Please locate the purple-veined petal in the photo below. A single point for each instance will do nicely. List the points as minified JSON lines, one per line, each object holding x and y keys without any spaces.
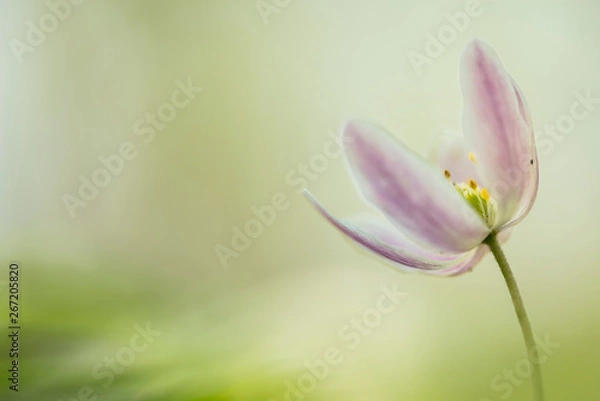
{"x":465,"y":265}
{"x":449,"y":264}
{"x":385,"y":242}
{"x":475,"y":257}
{"x":496,"y":123}
{"x":531,"y":193}
{"x":385,"y":232}
{"x":450,"y":152}
{"x":411,"y":193}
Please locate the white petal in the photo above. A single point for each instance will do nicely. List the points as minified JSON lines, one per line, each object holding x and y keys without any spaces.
{"x":411,"y":193}
{"x":384,"y":241}
{"x":496,"y":123}
{"x":451,"y":153}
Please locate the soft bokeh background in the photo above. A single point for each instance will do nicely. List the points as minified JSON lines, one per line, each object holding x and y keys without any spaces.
{"x":143,"y":251}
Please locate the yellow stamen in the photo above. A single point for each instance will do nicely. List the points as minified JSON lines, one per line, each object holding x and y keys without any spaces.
{"x":480,"y":200}
{"x":447,"y":174}
{"x":472,"y":157}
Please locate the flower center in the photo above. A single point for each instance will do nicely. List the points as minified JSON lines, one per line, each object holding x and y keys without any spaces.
{"x":479,"y":198}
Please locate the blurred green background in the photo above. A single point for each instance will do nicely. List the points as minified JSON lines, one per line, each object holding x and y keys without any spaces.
{"x":143,"y":251}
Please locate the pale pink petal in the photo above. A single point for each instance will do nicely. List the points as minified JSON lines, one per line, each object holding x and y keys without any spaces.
{"x":411,"y":193}
{"x":390,"y":235}
{"x":385,"y":242}
{"x":451,"y":153}
{"x":465,"y":265}
{"x":496,"y":123}
{"x":531,"y":193}
{"x":504,"y":235}
{"x":475,"y":257}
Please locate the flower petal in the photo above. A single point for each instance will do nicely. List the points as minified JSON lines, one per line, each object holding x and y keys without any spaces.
{"x":384,"y":241}
{"x":451,"y":153}
{"x":465,"y":265}
{"x":475,"y":257}
{"x":527,"y":201}
{"x":388,"y":234}
{"x":411,"y":193}
{"x":496,"y":123}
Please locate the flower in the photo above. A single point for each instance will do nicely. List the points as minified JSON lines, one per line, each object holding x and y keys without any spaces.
{"x":439,"y":214}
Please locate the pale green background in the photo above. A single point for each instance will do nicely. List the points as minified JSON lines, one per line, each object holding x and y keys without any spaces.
{"x":144,"y":249}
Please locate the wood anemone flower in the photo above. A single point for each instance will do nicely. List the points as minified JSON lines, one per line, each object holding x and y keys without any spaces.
{"x":443,"y":219}
{"x":440,"y":216}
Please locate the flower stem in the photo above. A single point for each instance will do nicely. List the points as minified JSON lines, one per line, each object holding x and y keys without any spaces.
{"x":536,"y":377}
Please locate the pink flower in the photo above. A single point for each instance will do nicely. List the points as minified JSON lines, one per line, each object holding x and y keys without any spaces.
{"x":439,"y":216}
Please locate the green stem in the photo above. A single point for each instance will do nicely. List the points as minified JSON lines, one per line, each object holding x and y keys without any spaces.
{"x":536,"y":377}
